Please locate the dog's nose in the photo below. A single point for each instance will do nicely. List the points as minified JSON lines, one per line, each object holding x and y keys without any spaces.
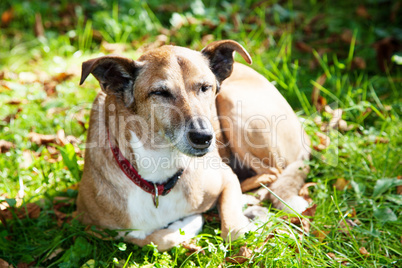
{"x":200,"y":139}
{"x":199,"y":135}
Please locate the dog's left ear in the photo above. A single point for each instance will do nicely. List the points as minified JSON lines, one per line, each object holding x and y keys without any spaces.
{"x":220,"y":56}
{"x":116,"y":75}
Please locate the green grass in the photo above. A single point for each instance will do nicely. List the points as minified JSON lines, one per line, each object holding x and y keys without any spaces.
{"x":367,"y":155}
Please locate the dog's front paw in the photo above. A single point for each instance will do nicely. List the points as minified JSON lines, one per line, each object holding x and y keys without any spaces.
{"x":187,"y":227}
{"x":298,"y":203}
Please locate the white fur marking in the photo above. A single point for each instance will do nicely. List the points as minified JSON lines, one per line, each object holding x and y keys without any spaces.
{"x":297,"y":203}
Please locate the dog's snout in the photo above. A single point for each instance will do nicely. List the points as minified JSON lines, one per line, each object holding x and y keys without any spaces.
{"x":200,"y":139}
{"x":199,"y":135}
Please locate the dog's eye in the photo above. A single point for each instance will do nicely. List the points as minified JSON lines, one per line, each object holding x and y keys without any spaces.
{"x":205,"y":88}
{"x":162,"y":93}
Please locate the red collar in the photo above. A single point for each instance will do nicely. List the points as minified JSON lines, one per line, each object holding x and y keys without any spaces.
{"x":156,"y":189}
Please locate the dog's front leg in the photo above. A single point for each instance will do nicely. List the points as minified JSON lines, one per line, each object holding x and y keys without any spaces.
{"x":176,"y":233}
{"x":233,"y":222}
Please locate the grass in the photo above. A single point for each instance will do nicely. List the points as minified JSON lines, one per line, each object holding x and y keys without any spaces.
{"x":365,"y":156}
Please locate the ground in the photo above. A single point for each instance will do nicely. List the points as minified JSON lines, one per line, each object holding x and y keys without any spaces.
{"x":337,"y":63}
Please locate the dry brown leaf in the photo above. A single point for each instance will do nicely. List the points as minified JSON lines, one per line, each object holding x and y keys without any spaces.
{"x":353,"y":213}
{"x":310,"y":212}
{"x":346,"y":36}
{"x":50,"y":87}
{"x":359,"y":63}
{"x":27,"y":159}
{"x":5,"y":146}
{"x":12,"y":116}
{"x":364,"y":251}
{"x":319,"y":102}
{"x":7,"y":16}
{"x":61,"y":77}
{"x":41,"y":139}
{"x":303,"y":47}
{"x":341,"y":183}
{"x":336,"y":117}
{"x":321,"y":235}
{"x":324,"y":142}
{"x":306,"y":225}
{"x":192,"y":247}
{"x":331,"y":255}
{"x":399,"y":188}
{"x":385,"y":48}
{"x":53,"y":254}
{"x":38,"y":27}
{"x":211,"y":217}
{"x":16,"y":102}
{"x":361,"y":11}
{"x":30,"y":210}
{"x":344,"y":228}
{"x":381,"y":140}
{"x":241,"y":257}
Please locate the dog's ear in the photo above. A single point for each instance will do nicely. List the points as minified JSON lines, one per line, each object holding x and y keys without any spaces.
{"x":220,"y":56}
{"x":116,"y":75}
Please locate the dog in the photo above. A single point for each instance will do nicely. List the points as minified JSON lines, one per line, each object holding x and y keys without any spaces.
{"x":162,"y":136}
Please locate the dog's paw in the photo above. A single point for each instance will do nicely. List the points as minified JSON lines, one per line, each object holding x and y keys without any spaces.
{"x":188,"y":227}
{"x":298,"y":203}
{"x":256,"y":213}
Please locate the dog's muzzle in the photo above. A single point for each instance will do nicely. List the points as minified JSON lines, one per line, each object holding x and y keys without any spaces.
{"x":200,"y":135}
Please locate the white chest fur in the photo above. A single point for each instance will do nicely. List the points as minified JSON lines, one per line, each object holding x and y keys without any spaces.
{"x":155,"y":166}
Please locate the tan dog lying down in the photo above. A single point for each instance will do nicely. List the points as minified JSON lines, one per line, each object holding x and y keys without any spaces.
{"x":159,"y":134}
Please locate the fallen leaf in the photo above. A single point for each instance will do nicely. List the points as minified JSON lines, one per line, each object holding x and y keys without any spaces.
{"x":38,"y":27}
{"x":381,"y":140}
{"x":364,"y":251}
{"x":53,"y":254}
{"x":241,"y":257}
{"x":352,"y":214}
{"x":12,"y":116}
{"x":319,"y":102}
{"x":359,"y":63}
{"x":5,"y":146}
{"x":310,"y":212}
{"x":16,"y":102}
{"x":61,"y":77}
{"x":306,"y":225}
{"x":341,"y":183}
{"x":192,"y":247}
{"x":324,"y":142}
{"x":321,"y":235}
{"x":361,"y":11}
{"x":345,"y":227}
{"x":7,"y":16}
{"x":331,"y":255}
{"x":27,"y":159}
{"x":211,"y":217}
{"x":399,"y":188}
{"x":41,"y":139}
{"x":385,"y":48}
{"x":30,"y":210}
{"x":336,"y":117}
{"x":50,"y":87}
{"x":303,"y":47}
{"x":346,"y":36}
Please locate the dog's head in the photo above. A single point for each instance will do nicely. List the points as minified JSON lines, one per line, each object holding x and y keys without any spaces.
{"x":172,"y":88}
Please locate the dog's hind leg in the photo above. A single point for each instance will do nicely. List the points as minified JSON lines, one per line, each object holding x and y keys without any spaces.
{"x":287,"y":187}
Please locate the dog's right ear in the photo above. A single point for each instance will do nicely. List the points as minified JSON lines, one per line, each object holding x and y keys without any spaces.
{"x":116,"y":75}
